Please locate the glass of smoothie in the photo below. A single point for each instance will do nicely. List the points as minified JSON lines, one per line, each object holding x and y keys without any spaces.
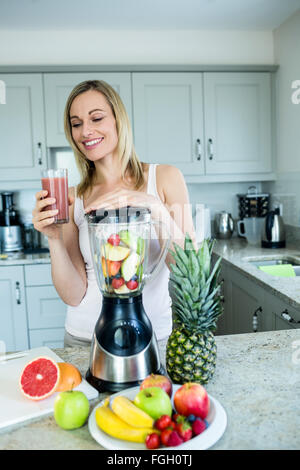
{"x":56,"y":183}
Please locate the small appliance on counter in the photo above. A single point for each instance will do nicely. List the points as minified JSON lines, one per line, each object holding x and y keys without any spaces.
{"x":124,"y":348}
{"x":32,"y":239}
{"x":253,"y":204}
{"x":274,"y":230}
{"x":223,"y":225}
{"x":202,"y":222}
{"x":10,"y":225}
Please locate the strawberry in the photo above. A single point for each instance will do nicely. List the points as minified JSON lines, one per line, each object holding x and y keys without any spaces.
{"x":174,"y":439}
{"x":114,"y":239}
{"x":117,"y":282}
{"x":163,"y":422}
{"x":184,"y":430}
{"x":132,"y":284}
{"x":175,"y":416}
{"x":152,"y":441}
{"x":164,"y":436}
{"x":198,"y":426}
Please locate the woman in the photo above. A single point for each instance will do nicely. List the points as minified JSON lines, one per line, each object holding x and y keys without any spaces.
{"x":99,"y":132}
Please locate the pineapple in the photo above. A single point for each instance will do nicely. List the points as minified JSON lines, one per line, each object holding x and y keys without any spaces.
{"x":196,"y":305}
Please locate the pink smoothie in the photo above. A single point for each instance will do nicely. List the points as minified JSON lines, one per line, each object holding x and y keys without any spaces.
{"x":58,"y":188}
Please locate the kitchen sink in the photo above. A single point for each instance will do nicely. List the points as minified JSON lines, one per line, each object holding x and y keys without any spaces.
{"x":275,"y":261}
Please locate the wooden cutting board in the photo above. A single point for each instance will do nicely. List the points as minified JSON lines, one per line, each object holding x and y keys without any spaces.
{"x":14,"y":407}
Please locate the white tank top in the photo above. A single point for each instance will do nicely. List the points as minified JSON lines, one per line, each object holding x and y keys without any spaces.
{"x":81,"y":320}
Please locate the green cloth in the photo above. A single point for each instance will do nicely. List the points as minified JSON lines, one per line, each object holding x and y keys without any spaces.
{"x":282,"y":270}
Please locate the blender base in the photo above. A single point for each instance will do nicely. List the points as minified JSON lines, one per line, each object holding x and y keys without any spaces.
{"x":105,"y":386}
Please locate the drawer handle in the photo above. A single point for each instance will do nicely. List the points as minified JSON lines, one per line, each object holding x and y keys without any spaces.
{"x":286,"y":316}
{"x":255,"y":319}
{"x":39,"y":152}
{"x":18,"y":293}
{"x":199,"y":149}
{"x":210,"y":149}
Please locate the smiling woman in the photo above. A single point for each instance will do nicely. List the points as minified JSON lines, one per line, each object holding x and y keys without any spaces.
{"x":99,"y":131}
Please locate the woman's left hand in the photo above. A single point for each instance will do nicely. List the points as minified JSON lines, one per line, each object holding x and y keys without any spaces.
{"x":123,"y":197}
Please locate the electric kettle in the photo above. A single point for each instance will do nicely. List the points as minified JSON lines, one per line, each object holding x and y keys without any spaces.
{"x":273,"y":235}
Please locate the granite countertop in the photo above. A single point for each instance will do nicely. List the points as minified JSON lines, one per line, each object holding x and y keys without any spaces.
{"x":17,"y":258}
{"x":257,"y":380}
{"x":238,"y":253}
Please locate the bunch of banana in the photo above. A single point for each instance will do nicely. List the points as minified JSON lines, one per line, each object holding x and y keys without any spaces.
{"x":124,"y":421}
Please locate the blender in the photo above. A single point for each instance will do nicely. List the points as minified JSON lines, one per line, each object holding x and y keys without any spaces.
{"x":124,"y":348}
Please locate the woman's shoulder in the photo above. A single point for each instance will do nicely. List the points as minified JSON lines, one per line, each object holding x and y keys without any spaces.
{"x":168,"y":176}
{"x":163,"y":170}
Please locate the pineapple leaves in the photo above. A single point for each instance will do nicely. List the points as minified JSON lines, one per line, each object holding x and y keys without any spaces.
{"x":196,"y":303}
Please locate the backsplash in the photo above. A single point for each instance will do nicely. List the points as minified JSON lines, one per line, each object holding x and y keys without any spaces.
{"x":215,"y":196}
{"x":286,"y":191}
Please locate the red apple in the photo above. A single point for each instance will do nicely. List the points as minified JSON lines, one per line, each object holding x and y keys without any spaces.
{"x":192,"y":399}
{"x":156,"y":380}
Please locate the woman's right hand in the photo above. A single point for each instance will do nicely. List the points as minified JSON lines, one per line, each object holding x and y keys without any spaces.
{"x":43,"y":220}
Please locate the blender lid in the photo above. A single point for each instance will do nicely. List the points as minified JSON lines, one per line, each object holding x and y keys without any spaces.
{"x":120,"y":215}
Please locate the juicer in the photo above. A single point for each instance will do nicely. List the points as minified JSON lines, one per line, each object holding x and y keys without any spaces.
{"x":10,"y":225}
{"x":124,"y":348}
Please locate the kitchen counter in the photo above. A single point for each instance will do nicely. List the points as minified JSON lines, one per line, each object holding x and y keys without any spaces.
{"x":12,"y":259}
{"x":257,"y":380}
{"x":235,"y":250}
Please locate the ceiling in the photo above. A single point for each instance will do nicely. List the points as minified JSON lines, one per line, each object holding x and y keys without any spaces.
{"x":145,"y":14}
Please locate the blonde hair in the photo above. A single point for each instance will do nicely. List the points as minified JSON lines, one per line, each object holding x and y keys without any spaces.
{"x":130,"y":163}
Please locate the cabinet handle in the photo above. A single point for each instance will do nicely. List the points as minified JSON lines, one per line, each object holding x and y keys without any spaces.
{"x":39,"y":153}
{"x":210,"y":149}
{"x":18,"y":293}
{"x":286,"y":316}
{"x":222,"y":297}
{"x":255,"y":319}
{"x":199,"y":149}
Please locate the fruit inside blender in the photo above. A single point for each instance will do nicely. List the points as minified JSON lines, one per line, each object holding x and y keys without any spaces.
{"x":122,"y":257}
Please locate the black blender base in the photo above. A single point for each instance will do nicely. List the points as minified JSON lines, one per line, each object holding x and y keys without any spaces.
{"x":106,"y":386}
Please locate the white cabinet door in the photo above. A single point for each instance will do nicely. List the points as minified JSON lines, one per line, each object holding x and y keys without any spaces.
{"x":58,"y":86}
{"x":13,"y":321}
{"x":237,"y":122}
{"x":168,"y":119}
{"x":46,"y":312}
{"x":22,"y":133}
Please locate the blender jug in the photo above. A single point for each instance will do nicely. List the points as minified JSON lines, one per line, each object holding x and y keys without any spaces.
{"x":124,"y":347}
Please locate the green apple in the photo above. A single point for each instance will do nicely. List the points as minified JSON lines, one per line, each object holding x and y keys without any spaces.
{"x":140,"y":247}
{"x":128,"y":238}
{"x":154,"y":401}
{"x":130,"y":265}
{"x":71,"y":409}
{"x":114,"y":253}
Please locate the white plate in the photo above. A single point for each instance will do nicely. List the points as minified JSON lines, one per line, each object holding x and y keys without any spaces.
{"x":216,"y":418}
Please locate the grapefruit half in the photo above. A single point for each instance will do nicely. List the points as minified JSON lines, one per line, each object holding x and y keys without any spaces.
{"x":39,"y":378}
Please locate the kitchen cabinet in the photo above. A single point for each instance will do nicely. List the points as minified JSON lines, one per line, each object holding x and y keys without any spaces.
{"x":204,"y":123}
{"x":31,"y":312}
{"x":13,"y":314}
{"x":58,"y":86}
{"x":248,"y":307}
{"x":23,"y":151}
{"x":237,"y":118}
{"x":246,"y":303}
{"x":168,"y":119}
{"x":280,"y":315}
{"x":46,"y":311}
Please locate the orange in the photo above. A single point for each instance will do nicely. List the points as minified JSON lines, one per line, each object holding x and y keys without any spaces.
{"x":70,"y":377}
